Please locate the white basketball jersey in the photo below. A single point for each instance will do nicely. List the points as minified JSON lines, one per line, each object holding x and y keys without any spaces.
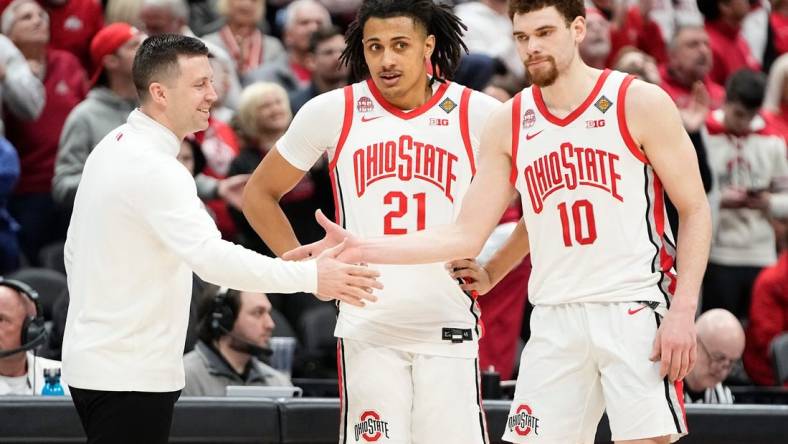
{"x":397,"y":172}
{"x":593,"y":206}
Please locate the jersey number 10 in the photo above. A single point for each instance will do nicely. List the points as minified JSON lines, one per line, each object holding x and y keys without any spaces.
{"x":400,"y":201}
{"x":579,"y":209}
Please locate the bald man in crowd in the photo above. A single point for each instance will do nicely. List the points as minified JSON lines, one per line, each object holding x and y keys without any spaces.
{"x":720,"y":345}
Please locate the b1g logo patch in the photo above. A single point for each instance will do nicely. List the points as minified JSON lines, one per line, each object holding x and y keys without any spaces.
{"x":364,"y":104}
{"x":370,"y":427}
{"x":523,"y":421}
{"x":438,"y":122}
{"x":529,"y":118}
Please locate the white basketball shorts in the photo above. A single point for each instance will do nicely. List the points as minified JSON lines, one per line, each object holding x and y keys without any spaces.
{"x":395,"y":397}
{"x":583,"y":359}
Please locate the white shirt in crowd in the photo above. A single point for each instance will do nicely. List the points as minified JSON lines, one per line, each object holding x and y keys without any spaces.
{"x":31,"y":383}
{"x":137,"y":232}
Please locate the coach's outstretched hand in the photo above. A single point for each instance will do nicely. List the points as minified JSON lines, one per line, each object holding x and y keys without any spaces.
{"x":334,"y":235}
{"x":348,"y":283}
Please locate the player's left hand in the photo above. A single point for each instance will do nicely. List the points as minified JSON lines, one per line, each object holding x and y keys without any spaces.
{"x":675,"y":345}
{"x":474,"y":276}
{"x":334,"y":236}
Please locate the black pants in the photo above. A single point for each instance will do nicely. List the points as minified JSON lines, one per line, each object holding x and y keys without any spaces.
{"x":729,"y":287}
{"x":125,"y":417}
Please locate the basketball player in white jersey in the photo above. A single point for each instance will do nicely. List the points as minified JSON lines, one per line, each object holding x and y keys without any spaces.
{"x":401,"y":150}
{"x":590,"y":152}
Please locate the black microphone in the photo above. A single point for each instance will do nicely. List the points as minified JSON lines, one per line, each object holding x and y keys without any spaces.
{"x":13,"y":351}
{"x":249,"y":347}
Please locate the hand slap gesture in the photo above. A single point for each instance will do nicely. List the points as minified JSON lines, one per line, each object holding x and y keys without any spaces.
{"x":348,"y":283}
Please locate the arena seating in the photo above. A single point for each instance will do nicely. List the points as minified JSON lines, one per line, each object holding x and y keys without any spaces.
{"x":315,"y":421}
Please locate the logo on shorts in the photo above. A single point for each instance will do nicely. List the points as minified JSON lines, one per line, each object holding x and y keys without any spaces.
{"x":529,"y":118}
{"x":364,"y":104}
{"x":371,"y":427}
{"x":523,"y":421}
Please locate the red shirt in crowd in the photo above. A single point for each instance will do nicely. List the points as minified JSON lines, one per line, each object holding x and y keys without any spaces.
{"x":779,"y":24}
{"x":768,"y":318}
{"x":729,"y":51}
{"x":639,"y":32}
{"x":778,"y":121}
{"x":72,"y":25}
{"x":220,"y":146}
{"x":36,"y":141}
{"x":681,"y":94}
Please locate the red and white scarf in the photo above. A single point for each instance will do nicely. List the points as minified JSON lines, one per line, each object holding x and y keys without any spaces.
{"x":247,"y":53}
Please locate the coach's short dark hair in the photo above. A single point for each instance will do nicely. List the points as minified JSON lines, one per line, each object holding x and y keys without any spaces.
{"x":746,"y":88}
{"x":158,"y":56}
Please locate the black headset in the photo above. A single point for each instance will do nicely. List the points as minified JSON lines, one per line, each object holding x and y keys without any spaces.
{"x":34,"y":332}
{"x":223,"y":321}
{"x":222,"y":314}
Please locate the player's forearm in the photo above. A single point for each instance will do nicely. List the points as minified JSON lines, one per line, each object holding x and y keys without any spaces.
{"x":509,"y":255}
{"x":269,"y":221}
{"x":694,"y":240}
{"x":437,"y":244}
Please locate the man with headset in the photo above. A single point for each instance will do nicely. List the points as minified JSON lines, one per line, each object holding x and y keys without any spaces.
{"x":21,"y":330}
{"x":234,"y":328}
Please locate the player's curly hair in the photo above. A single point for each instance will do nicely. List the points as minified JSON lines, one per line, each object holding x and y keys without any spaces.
{"x":437,"y":20}
{"x":570,"y":9}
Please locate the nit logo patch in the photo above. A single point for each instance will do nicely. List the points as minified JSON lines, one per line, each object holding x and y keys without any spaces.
{"x":370,"y":427}
{"x":603,"y":104}
{"x":448,"y":105}
{"x":364,"y":104}
{"x":529,"y":118}
{"x":523,"y":421}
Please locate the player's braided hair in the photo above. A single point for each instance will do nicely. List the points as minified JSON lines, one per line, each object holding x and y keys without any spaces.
{"x":437,"y":19}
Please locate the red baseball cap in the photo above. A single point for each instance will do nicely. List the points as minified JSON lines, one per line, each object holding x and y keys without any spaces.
{"x":106,"y":42}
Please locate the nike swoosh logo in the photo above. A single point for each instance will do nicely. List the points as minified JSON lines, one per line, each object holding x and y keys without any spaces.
{"x":368,"y":119}
{"x":531,"y":136}
{"x":631,"y":311}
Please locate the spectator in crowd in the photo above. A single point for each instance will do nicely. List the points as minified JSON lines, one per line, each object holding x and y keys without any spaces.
{"x":226,"y":84}
{"x":65,"y":83}
{"x":768,"y":313}
{"x":750,"y":180}
{"x":686,"y":75}
{"x":631,"y":25}
{"x":302,"y":18}
{"x":9,"y":174}
{"x":107,"y":105}
{"x":191,"y":155}
{"x":72,"y":24}
{"x":165,"y":17}
{"x":21,"y":330}
{"x":248,"y":47}
{"x":20,"y":90}
{"x":325,"y":47}
{"x":775,"y":101}
{"x":638,"y":63}
{"x":263,"y":117}
{"x":729,"y":50}
{"x":123,"y":11}
{"x":595,"y":47}
{"x":720,"y":339}
{"x":490,"y":32}
{"x":234,"y":330}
